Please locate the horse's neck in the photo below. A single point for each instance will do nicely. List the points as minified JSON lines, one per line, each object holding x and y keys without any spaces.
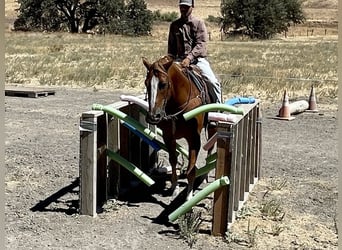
{"x":184,"y":95}
{"x":181,"y":84}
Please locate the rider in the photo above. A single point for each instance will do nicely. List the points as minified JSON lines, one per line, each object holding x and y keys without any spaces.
{"x":187,"y":43}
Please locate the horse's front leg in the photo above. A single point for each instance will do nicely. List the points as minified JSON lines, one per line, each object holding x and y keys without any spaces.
{"x":194,"y":147}
{"x":171,"y":146}
{"x":174,"y":176}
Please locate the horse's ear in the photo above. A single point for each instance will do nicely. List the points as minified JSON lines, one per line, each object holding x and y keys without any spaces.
{"x":146,"y":63}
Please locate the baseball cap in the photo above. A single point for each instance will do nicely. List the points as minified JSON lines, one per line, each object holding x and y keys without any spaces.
{"x":186,"y":2}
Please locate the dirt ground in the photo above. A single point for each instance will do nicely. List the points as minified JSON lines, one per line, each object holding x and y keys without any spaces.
{"x":299,"y":172}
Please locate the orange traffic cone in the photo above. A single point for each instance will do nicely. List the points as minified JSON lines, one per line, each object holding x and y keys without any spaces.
{"x":284,"y":111}
{"x":312,"y":101}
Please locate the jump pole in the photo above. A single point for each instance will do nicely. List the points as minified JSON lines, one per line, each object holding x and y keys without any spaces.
{"x":121,"y":115}
{"x":212,"y":107}
{"x":144,"y":105}
{"x":130,"y":167}
{"x":136,"y":125}
{"x":240,"y":100}
{"x":210,"y":165}
{"x":198,"y":197}
{"x":298,"y":106}
{"x":206,"y":169}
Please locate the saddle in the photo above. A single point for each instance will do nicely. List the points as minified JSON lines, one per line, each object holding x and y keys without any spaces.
{"x":202,"y":83}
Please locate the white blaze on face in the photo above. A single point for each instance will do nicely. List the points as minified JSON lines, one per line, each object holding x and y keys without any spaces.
{"x":154,"y":90}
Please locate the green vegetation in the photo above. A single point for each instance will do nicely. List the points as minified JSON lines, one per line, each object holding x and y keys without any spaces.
{"x":189,"y":224}
{"x":117,"y":17}
{"x":260,"y":18}
{"x":164,"y":17}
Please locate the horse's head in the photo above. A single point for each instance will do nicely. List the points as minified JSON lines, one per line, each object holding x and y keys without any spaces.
{"x":158,"y":88}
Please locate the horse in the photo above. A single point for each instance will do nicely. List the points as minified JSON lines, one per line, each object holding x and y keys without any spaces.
{"x":171,"y":93}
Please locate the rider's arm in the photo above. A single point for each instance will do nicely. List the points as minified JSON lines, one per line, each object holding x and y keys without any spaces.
{"x":201,"y":36}
{"x":172,"y":42}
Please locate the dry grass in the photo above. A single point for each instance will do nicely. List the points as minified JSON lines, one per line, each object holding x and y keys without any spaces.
{"x":263,"y":68}
{"x":276,"y":225}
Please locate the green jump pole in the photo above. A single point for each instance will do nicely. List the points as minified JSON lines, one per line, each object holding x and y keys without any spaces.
{"x":198,"y":197}
{"x":121,"y":115}
{"x":124,"y":117}
{"x":145,"y":131}
{"x":211,"y":157}
{"x":206,"y":169}
{"x":210,"y":164}
{"x":130,"y":167}
{"x":212,"y":107}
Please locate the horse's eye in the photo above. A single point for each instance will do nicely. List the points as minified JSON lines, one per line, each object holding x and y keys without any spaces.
{"x":161,"y":85}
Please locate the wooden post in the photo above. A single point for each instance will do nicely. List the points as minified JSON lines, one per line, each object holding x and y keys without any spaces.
{"x":238,"y":157}
{"x":125,"y":176}
{"x":239,"y":143}
{"x":253,"y":145}
{"x":233,"y":203}
{"x":88,"y":162}
{"x":258,"y":143}
{"x":113,"y":144}
{"x":220,"y":208}
{"x":248,"y":151}
{"x":243,"y":160}
{"x":101,"y":161}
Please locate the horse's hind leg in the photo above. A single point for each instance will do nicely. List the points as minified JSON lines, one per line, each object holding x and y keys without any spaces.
{"x":191,"y":175}
{"x":211,"y":129}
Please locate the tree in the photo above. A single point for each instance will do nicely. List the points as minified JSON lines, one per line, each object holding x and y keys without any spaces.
{"x":35,"y":15}
{"x":138,"y":19}
{"x":75,"y":16}
{"x":260,"y":18}
{"x":111,"y":15}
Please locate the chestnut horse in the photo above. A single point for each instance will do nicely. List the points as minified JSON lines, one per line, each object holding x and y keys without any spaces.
{"x":171,"y":93}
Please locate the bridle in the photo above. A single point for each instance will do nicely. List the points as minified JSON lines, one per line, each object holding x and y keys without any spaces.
{"x":183,"y":107}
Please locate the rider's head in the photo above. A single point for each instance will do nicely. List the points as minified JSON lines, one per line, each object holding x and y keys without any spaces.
{"x":185,"y":7}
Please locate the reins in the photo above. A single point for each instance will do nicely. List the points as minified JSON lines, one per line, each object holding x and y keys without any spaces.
{"x":185,"y":105}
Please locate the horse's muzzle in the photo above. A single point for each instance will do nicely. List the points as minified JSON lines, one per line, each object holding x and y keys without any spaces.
{"x":153,"y":118}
